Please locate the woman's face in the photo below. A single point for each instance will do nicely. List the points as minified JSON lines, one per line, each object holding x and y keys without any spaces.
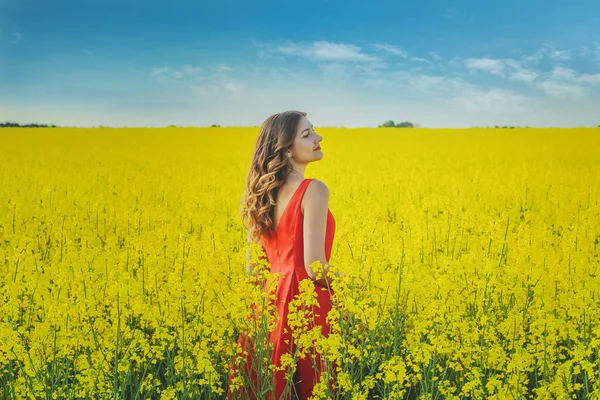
{"x":305,"y":142}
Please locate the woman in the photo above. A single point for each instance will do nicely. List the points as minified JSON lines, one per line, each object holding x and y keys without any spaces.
{"x":288,"y":215}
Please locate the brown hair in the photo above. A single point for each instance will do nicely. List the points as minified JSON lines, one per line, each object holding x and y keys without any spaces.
{"x":268,"y":171}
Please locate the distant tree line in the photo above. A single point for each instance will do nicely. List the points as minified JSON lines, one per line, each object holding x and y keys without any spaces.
{"x":518,"y":127}
{"x":406,"y":124}
{"x":181,"y":126}
{"x":391,"y":124}
{"x":387,"y":124}
{"x":17,"y":125}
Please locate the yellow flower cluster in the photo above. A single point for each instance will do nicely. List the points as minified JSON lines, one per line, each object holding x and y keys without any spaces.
{"x":469,"y":258}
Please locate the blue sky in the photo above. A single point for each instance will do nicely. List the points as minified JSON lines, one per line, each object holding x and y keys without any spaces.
{"x":346,"y":63}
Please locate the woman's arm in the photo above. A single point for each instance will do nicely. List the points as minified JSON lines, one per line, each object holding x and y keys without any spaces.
{"x":316,"y":206}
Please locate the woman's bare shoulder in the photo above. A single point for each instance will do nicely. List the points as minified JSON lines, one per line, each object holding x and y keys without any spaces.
{"x":317,"y":192}
{"x":317,"y":188}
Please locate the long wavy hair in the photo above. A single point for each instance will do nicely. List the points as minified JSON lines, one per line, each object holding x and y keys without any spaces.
{"x":268,"y":171}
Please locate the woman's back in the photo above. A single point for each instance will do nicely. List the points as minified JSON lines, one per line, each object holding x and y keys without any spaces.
{"x":284,"y":248}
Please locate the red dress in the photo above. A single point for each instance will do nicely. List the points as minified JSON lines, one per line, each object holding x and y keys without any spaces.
{"x":285,"y":253}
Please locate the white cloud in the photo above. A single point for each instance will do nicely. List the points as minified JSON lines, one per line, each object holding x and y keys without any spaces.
{"x":596,"y":53}
{"x":493,"y":101}
{"x":267,"y":51}
{"x":190,"y":70}
{"x":560,"y":54}
{"x":335,"y":53}
{"x":267,"y":54}
{"x":456,"y":62}
{"x":155,"y":72}
{"x":344,"y":70}
{"x":164,"y":74}
{"x":233,"y":87}
{"x":200,"y":81}
{"x":395,"y":50}
{"x":458,"y":93}
{"x":435,"y":55}
{"x":373,"y":68}
{"x":419,"y":59}
{"x":548,"y":51}
{"x":274,"y":72}
{"x":420,"y":83}
{"x":524,"y":76}
{"x":537,"y":56}
{"x":222,"y":81}
{"x":495,"y":67}
{"x":326,"y":51}
{"x":222,"y":68}
{"x":201,"y":90}
{"x":562,"y":89}
{"x":518,"y":72}
{"x":336,"y":70}
{"x":506,"y":68}
{"x":567,"y":74}
{"x":562,"y":73}
{"x":592,"y":79}
{"x":214,"y":88}
{"x":436,"y":84}
{"x":561,"y":82}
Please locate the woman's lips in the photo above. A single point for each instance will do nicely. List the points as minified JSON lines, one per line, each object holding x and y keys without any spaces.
{"x":318,"y":148}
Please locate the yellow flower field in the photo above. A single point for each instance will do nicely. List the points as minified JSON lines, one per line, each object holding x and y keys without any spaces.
{"x":472,"y":262}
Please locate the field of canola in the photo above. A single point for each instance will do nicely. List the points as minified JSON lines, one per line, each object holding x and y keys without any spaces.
{"x":472,"y":262}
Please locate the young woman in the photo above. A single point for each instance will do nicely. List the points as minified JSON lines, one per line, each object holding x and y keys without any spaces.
{"x":288,"y":215}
